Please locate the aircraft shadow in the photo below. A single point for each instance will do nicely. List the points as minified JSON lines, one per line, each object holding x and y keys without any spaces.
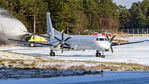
{"x":58,"y":55}
{"x":76,"y":55}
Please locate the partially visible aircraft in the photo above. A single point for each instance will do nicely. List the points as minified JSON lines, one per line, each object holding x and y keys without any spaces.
{"x":60,"y":41}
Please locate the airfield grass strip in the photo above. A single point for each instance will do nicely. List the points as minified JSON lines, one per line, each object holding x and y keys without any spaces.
{"x":44,"y":63}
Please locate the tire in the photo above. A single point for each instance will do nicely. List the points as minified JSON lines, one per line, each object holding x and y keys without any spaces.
{"x":52,"y":53}
{"x":103,"y":56}
{"x":32,"y":45}
{"x":98,"y":54}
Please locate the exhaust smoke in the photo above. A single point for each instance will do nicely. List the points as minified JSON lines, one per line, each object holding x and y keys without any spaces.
{"x":10,"y":27}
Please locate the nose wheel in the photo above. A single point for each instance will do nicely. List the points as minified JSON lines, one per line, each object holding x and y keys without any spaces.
{"x":52,"y":53}
{"x":98,"y":54}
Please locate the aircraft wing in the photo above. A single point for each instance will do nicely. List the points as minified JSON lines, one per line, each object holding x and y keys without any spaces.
{"x":114,"y":44}
{"x":22,"y":41}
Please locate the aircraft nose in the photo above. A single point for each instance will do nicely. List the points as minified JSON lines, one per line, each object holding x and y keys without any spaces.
{"x":106,"y":45}
{"x":103,"y":44}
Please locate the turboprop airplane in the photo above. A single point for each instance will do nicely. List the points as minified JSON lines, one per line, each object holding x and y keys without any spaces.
{"x":60,"y":41}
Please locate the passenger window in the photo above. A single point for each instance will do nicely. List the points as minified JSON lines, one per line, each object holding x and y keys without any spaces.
{"x":96,"y":39}
{"x":101,"y":39}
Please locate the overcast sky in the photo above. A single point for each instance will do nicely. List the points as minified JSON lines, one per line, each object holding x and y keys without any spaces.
{"x":126,"y":3}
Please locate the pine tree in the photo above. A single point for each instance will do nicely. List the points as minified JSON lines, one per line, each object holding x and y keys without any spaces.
{"x":124,"y":17}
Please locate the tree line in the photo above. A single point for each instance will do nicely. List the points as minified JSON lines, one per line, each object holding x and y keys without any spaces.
{"x":78,"y":15}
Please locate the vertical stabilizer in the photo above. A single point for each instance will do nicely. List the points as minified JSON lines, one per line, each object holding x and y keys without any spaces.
{"x":50,"y":29}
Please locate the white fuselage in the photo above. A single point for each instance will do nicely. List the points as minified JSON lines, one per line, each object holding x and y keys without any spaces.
{"x":86,"y":42}
{"x":78,"y":42}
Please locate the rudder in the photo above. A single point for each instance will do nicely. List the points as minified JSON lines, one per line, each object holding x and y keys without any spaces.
{"x":50,"y":29}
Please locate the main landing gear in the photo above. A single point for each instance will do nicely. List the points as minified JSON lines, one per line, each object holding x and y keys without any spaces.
{"x":98,"y":54}
{"x":52,"y":53}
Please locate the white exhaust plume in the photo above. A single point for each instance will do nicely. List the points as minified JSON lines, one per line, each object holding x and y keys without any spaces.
{"x":10,"y":28}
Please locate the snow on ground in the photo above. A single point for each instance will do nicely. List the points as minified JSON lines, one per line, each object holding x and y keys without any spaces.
{"x":131,"y":53}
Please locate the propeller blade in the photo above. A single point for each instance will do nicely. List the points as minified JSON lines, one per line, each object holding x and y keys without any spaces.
{"x":62,"y":42}
{"x":57,"y":38}
{"x":68,"y":45}
{"x":62,"y":36}
{"x":67,"y":38}
{"x":62,"y":31}
{"x":112,"y":38}
{"x":111,"y":49}
{"x":107,"y":36}
{"x":53,"y":42}
{"x":62,"y":47}
{"x":57,"y":45}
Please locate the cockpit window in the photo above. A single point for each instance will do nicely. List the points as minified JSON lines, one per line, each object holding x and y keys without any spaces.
{"x":101,"y":39}
{"x":106,"y":39}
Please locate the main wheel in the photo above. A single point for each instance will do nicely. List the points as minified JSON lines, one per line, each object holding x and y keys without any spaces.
{"x":98,"y":54}
{"x":52,"y":53}
{"x":103,"y":56}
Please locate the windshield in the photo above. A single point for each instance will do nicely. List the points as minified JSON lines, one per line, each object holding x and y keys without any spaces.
{"x":101,"y":39}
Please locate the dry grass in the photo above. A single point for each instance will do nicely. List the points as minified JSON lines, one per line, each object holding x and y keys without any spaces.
{"x":51,"y":63}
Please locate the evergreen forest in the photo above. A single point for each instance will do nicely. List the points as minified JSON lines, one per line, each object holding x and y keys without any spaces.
{"x":78,"y":15}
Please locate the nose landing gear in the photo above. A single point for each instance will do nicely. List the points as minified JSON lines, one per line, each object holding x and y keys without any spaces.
{"x":98,"y":54}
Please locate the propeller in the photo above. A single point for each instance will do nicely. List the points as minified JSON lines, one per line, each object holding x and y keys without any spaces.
{"x":62,"y":42}
{"x":110,"y":40}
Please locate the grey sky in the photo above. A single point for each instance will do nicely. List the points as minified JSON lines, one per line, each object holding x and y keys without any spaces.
{"x":126,"y":3}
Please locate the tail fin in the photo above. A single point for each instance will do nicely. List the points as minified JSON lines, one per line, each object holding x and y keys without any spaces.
{"x":50,"y":29}
{"x":51,"y":32}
